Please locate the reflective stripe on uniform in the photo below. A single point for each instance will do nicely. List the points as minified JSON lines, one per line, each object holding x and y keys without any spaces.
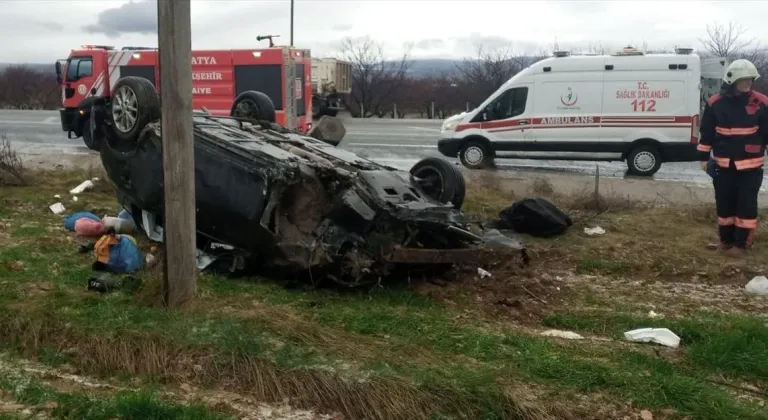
{"x":726,"y":221}
{"x":737,"y":131}
{"x":704,"y":148}
{"x":746,"y":223}
{"x":723,"y":162}
{"x":749,"y":163}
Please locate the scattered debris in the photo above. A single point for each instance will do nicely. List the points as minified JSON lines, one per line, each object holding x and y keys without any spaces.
{"x":74,"y":198}
{"x":57,"y":196}
{"x":89,"y":228}
{"x":83,"y":187}
{"x":117,"y":254}
{"x":653,"y":315}
{"x":536,"y":217}
{"x":568,"y":335}
{"x":482,"y":273}
{"x":661,"y":336}
{"x":595,"y":231}
{"x":69,"y":221}
{"x":57,"y":208}
{"x":109,"y":282}
{"x":757,"y":286}
{"x":645,"y":414}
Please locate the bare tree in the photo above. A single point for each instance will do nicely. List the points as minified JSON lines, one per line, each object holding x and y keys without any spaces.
{"x":726,"y":41}
{"x":490,"y":69}
{"x":375,"y":80}
{"x":22,"y":87}
{"x":597,"y":48}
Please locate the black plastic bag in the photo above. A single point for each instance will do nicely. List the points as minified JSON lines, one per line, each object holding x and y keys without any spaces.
{"x":535,"y":217}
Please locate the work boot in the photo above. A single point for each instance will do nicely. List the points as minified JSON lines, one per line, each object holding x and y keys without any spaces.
{"x":719,"y":247}
{"x":734,"y":252}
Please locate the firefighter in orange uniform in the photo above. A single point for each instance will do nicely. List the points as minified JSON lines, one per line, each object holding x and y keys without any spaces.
{"x":734,"y":128}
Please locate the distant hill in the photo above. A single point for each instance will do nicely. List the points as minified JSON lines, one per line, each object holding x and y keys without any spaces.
{"x":432,"y":67}
{"x":47,"y":68}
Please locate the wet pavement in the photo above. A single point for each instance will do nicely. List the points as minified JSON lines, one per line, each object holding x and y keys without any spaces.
{"x":398,"y":143}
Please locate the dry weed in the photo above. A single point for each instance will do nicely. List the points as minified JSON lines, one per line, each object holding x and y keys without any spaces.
{"x":132,"y":354}
{"x":11,"y":166}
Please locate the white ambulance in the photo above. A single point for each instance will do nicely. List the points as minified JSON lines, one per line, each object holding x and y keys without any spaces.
{"x":641,"y":108}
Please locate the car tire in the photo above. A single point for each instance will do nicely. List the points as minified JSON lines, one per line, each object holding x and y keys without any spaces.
{"x":443,"y":181}
{"x":643,"y":161}
{"x":134,"y":104}
{"x":475,"y":155}
{"x":253,"y":105}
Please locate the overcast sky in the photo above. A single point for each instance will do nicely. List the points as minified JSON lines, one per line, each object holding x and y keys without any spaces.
{"x":44,"y":30}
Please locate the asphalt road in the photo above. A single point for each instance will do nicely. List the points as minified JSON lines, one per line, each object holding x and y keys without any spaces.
{"x":398,"y":143}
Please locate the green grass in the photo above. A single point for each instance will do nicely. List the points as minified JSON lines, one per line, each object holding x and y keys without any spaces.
{"x":389,"y":334}
{"x":81,"y":405}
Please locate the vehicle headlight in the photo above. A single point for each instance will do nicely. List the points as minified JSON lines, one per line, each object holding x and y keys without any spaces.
{"x":448,"y":125}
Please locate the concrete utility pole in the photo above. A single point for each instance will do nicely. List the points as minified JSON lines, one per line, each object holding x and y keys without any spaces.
{"x":291,"y":22}
{"x":174,"y":36}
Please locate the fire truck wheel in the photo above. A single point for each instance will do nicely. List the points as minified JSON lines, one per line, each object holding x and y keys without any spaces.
{"x":441,"y":180}
{"x":92,"y":140}
{"x":133,"y":105}
{"x":253,"y":105}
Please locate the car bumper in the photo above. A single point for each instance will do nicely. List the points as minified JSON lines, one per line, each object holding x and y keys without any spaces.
{"x":449,"y":147}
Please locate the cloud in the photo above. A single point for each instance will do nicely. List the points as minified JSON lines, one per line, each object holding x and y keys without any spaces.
{"x":342,"y":27}
{"x":135,"y":17}
{"x":429,"y":44}
{"x":468,"y":46}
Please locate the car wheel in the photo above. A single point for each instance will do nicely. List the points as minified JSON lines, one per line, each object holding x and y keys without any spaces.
{"x":644,"y":161}
{"x":475,"y":155}
{"x":253,"y":105}
{"x":133,"y":105}
{"x":440,"y":180}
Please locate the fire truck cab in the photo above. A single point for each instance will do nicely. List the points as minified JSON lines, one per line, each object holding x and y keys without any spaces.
{"x":221,"y":80}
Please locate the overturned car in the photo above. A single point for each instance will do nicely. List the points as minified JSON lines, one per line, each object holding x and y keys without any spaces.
{"x":283,"y":200}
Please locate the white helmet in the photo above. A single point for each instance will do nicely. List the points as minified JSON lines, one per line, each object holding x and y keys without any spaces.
{"x":740,"y":69}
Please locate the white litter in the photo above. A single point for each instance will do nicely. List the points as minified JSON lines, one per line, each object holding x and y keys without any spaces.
{"x":57,"y":208}
{"x":662,"y":336}
{"x":85,"y":186}
{"x":118,"y":224}
{"x":568,"y":335}
{"x":482,"y":273}
{"x":74,"y":198}
{"x":652,"y":314}
{"x":57,"y":196}
{"x":757,"y":286}
{"x":595,"y":231}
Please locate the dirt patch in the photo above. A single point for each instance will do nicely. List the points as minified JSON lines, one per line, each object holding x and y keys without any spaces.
{"x":666,"y":298}
{"x":508,"y":294}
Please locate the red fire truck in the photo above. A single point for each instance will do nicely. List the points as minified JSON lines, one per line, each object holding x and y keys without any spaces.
{"x":219,"y":77}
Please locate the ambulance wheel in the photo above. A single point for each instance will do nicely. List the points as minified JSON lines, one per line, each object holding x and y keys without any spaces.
{"x":644,"y":161}
{"x":440,"y":180}
{"x":475,"y":155}
{"x":133,"y":105}
{"x":253,"y":105}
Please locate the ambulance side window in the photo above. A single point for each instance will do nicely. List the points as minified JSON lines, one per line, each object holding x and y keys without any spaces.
{"x":79,"y":67}
{"x":510,"y":104}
